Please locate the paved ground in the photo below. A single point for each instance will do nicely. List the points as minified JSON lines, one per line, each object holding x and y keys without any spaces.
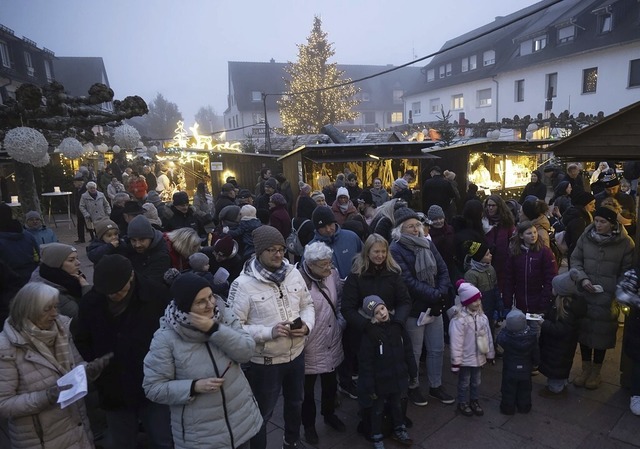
{"x":598,"y":419}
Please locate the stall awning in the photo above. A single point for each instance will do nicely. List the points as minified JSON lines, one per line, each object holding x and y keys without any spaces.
{"x":362,"y":151}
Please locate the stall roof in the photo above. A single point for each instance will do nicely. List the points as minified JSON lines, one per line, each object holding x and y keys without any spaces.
{"x":499,"y":146}
{"x":340,"y":152}
{"x":616,"y":137}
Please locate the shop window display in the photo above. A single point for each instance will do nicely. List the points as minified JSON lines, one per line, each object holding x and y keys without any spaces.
{"x":509,"y":173}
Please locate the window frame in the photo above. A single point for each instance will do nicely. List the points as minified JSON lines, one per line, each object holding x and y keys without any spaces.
{"x":488,"y":102}
{"x":457,"y":102}
{"x":256,"y":98}
{"x":487,"y":61}
{"x":585,"y":72}
{"x":637,"y":75}
{"x":568,"y":38}
{"x":5,"y":55}
{"x":519,"y":91}
{"x":431,"y":75}
{"x":416,"y":107}
{"x":437,"y":105}
{"x":602,"y":21}
{"x":547,"y":84}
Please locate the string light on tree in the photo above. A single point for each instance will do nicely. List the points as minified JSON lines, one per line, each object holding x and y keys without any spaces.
{"x":313,"y":76}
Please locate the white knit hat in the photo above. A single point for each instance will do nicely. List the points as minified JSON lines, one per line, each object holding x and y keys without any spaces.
{"x":467,"y":293}
{"x":342,"y":191}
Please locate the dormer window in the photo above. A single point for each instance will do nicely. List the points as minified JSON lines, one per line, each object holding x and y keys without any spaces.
{"x":469,"y":63}
{"x":539,"y":43}
{"x":605,"y":22}
{"x":566,"y":34}
{"x":449,"y":69}
{"x":442,"y":71}
{"x":431,"y":75}
{"x":256,"y":96}
{"x":489,"y":57}
{"x":4,"y":55}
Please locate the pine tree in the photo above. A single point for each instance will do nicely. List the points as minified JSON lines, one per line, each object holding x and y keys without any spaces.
{"x":306,"y":113}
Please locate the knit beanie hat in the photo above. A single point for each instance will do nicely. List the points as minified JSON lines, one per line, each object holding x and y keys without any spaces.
{"x":370,"y":304}
{"x":228,"y":187}
{"x":54,"y":254}
{"x":608,"y":214}
{"x":476,"y":250}
{"x":435,"y":212}
{"x":565,"y":284}
{"x":365,"y":197}
{"x":111,"y":274}
{"x":180,"y":198}
{"x":33,"y":214}
{"x":342,"y":191}
{"x":581,"y":199}
{"x":561,"y":188}
{"x":244,"y":194}
{"x":103,"y":226}
{"x":277,"y":199}
{"x":230,"y":213}
{"x":271,"y":182}
{"x":322,"y":216}
{"x":305,"y":189}
{"x":153,"y":197}
{"x":530,"y":210}
{"x":403,"y":214}
{"x":185,"y":288}
{"x":316,"y":195}
{"x":266,"y":236}
{"x":467,"y":292}
{"x":151,"y":212}
{"x":224,"y":246}
{"x":516,"y":321}
{"x":140,"y":228}
{"x":401,"y":183}
{"x":132,"y":207}
{"x":197,"y":261}
{"x":247,"y":212}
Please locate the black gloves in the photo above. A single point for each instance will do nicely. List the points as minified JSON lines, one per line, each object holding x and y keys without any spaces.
{"x":95,"y":367}
{"x":438,"y":307}
{"x":54,"y":392}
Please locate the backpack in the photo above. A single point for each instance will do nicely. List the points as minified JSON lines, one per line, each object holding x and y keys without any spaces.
{"x":294,"y":246}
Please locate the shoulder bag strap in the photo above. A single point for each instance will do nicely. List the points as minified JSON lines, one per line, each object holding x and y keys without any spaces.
{"x":327,"y":298}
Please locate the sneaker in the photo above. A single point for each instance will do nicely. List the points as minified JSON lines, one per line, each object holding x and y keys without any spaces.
{"x":634,"y":405}
{"x":441,"y":395}
{"x":401,"y":436}
{"x":310,"y":435}
{"x":348,"y":390}
{"x":334,"y":422}
{"x":464,"y":409}
{"x":546,"y":393}
{"x":297,"y":445}
{"x":475,"y":406}
{"x":415,"y":396}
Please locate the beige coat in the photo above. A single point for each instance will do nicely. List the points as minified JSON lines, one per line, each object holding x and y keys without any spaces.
{"x":26,"y":375}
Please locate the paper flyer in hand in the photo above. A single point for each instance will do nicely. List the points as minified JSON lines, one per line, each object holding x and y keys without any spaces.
{"x":77,"y":378}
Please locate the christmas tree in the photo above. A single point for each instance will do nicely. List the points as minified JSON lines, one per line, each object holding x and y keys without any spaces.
{"x":313,"y":100}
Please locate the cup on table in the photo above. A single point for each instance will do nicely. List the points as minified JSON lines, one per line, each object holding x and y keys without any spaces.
{"x":14,"y":199}
{"x":56,"y":189}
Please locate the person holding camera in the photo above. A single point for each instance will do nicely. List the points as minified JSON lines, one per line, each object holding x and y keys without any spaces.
{"x":425,"y":274}
{"x":273,"y":304}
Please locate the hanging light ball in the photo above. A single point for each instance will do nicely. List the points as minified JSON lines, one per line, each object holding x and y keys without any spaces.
{"x":115,"y":149}
{"x":153,"y":149}
{"x":532,"y":127}
{"x":42,"y":162}
{"x":127,"y":137}
{"x":26,"y":145}
{"x":102,"y":148}
{"x":88,"y":148}
{"x":71,"y":148}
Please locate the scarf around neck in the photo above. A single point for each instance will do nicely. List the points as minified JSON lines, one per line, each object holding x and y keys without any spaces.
{"x":52,"y":344}
{"x":180,"y":322}
{"x":479,"y":266}
{"x":276,"y":277}
{"x":425,"y":264}
{"x":60,"y":277}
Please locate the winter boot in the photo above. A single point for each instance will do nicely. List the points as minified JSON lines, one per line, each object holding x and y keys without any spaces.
{"x":593,"y":381}
{"x":581,"y":378}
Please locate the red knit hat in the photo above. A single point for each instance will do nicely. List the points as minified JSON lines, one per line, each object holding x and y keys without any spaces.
{"x":467,"y":293}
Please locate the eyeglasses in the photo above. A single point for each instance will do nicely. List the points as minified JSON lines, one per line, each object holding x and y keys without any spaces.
{"x":324,"y":266}
{"x":273,"y":251}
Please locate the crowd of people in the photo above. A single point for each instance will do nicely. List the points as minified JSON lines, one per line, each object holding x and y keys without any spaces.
{"x":202,"y":312}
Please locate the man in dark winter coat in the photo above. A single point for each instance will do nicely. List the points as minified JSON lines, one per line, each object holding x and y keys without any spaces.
{"x":147,"y":250}
{"x":437,"y":190}
{"x":226,"y":197}
{"x":611,"y":184}
{"x":119,"y":315}
{"x":181,"y":215}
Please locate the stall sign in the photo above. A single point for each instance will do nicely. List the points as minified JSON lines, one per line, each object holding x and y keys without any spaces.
{"x":216,"y":166}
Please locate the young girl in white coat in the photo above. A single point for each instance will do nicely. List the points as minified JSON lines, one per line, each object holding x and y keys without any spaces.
{"x":471,"y":345}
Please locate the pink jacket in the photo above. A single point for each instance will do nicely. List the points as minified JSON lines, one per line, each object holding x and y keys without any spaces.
{"x":462,"y":336}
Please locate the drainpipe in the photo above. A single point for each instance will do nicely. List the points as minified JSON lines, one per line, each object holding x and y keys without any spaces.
{"x":497,"y":96}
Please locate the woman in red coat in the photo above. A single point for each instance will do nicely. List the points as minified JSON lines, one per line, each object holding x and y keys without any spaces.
{"x":137,"y":186}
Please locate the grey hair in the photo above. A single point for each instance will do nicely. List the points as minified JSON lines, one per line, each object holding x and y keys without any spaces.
{"x":387,"y":210}
{"x":121,"y":197}
{"x":396,"y":232}
{"x":29,"y":303}
{"x":316,"y":251}
{"x":92,"y":184}
{"x":185,"y":241}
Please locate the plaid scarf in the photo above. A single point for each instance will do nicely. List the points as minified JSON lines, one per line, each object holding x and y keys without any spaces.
{"x":274,"y":276}
{"x":52,"y":344}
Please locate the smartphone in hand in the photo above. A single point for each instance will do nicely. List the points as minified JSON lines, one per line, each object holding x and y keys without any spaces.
{"x":296,"y":324}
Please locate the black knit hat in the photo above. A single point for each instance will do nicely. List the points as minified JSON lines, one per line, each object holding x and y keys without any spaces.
{"x":476,"y":250}
{"x":322,"y":216}
{"x":403,"y":214}
{"x":111,"y":274}
{"x":180,"y":198}
{"x":265,"y":237}
{"x":608,"y":214}
{"x":530,"y":210}
{"x":581,"y":199}
{"x":185,"y":288}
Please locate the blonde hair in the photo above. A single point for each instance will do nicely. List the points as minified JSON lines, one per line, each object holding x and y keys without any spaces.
{"x":185,"y":241}
{"x":612,"y":204}
{"x":362,"y":262}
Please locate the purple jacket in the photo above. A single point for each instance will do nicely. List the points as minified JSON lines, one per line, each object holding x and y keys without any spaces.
{"x":528,"y":280}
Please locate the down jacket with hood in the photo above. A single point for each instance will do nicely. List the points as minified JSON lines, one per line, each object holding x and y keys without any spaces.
{"x":26,"y":376}
{"x":226,"y":418}
{"x":463,"y":327}
{"x":528,"y":280}
{"x":323,"y":349}
{"x":260,"y":304}
{"x":603,"y":263}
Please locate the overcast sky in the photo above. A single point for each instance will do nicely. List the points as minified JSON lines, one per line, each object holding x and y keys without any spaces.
{"x":180,"y":48}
